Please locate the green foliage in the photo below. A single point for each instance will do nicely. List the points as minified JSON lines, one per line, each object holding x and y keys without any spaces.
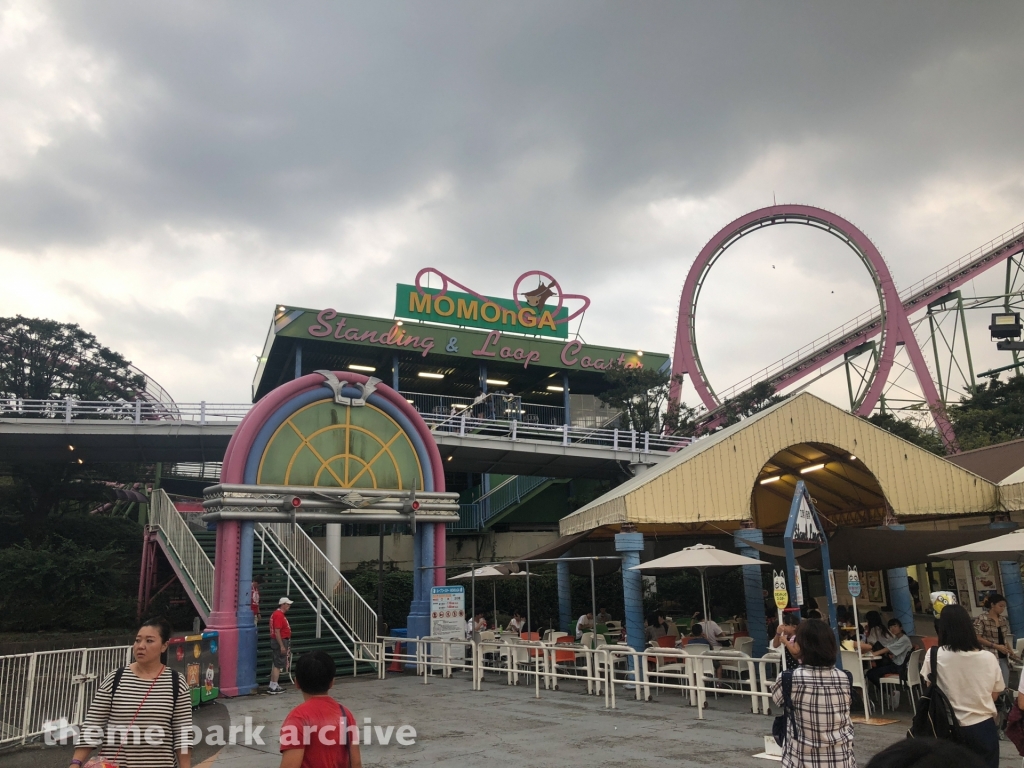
{"x":641,"y":395}
{"x":397,"y":590}
{"x":909,"y":431}
{"x":990,"y":413}
{"x":46,"y":360}
{"x":746,"y":404}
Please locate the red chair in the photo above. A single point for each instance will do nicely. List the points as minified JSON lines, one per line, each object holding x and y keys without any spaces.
{"x":742,"y":633}
{"x":532,"y":636}
{"x":929,"y":642}
{"x":667,"y":641}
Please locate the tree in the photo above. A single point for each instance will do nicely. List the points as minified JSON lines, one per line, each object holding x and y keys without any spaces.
{"x":909,"y":431}
{"x":641,"y":395}
{"x":747,"y":403}
{"x":989,"y":413}
{"x":47,"y":360}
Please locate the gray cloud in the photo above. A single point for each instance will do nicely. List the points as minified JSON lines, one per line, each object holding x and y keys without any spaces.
{"x":251,"y":153}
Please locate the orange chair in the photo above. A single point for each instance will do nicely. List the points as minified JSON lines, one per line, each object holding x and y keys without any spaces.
{"x":534,"y":636}
{"x":742,"y":633}
{"x":929,"y":642}
{"x":668,"y":641}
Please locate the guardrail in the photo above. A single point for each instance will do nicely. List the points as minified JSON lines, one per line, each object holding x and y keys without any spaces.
{"x":510,"y":491}
{"x":189,"y":554}
{"x":351,"y":607}
{"x":50,"y":691}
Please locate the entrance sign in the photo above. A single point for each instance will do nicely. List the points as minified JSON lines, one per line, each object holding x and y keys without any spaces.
{"x":489,"y":312}
{"x":781,"y":594}
{"x":853,"y":581}
{"x":806,"y":529}
{"x":448,"y":619}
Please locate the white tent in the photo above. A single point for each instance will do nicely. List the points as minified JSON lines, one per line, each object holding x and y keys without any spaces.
{"x":701,"y":557}
{"x":1007,"y":547}
{"x":488,"y":573}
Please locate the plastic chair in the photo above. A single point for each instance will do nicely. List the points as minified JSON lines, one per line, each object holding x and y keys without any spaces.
{"x":740,"y":667}
{"x":852,"y":663}
{"x":910,"y":680}
{"x":744,"y":644}
{"x":564,"y":660}
{"x":667,"y":641}
{"x":929,"y":642}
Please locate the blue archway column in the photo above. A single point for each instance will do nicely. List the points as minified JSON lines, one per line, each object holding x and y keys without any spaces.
{"x":899,"y":593}
{"x":630,"y":545}
{"x":564,"y":595}
{"x":753,"y":589}
{"x":246,"y":680}
{"x":422,"y":580}
{"x":1013,"y":591}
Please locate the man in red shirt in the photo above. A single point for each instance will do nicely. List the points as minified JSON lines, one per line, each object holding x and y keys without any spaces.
{"x":320,"y":732}
{"x":280,"y":642}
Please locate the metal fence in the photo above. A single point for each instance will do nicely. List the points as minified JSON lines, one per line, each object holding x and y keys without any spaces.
{"x":183,"y":545}
{"x":50,"y":691}
{"x":473,"y":516}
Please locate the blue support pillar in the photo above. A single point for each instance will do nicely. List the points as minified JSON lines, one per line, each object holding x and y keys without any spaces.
{"x":298,"y":361}
{"x":753,"y":589}
{"x":564,"y":596}
{"x":630,"y":545}
{"x":418,"y":624}
{"x":1013,"y":591}
{"x":394,"y":372}
{"x":899,"y":593}
{"x":246,"y":679}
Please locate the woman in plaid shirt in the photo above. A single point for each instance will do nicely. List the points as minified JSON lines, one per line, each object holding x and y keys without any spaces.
{"x":821,"y":697}
{"x":993,"y":630}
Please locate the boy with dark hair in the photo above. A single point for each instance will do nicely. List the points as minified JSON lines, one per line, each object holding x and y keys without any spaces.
{"x":320,"y":732}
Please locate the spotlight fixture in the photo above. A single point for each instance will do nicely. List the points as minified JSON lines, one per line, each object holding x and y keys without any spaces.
{"x":71,"y":447}
{"x":450,"y":458}
{"x":852,"y":457}
{"x":428,"y":375}
{"x":639,"y":353}
{"x":774,"y":479}
{"x":410,"y":402}
{"x":497,"y":382}
{"x":367,"y":368}
{"x":80,"y":461}
{"x":553,"y":388}
{"x":812,"y":468}
{"x":281,"y":308}
{"x":399,"y":322}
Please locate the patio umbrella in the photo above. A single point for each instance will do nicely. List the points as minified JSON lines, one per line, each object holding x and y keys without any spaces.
{"x":701,"y":557}
{"x":489,"y":573}
{"x":1009,"y":546}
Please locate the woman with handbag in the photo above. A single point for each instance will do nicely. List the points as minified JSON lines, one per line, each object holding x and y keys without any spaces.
{"x":819,"y":731}
{"x":971,"y":680}
{"x":141,"y":716}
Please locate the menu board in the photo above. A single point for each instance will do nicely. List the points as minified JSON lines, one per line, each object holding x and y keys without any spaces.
{"x":448,"y":619}
{"x":986,"y":579}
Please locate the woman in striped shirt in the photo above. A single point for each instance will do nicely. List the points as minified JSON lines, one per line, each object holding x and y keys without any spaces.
{"x":137,"y":718}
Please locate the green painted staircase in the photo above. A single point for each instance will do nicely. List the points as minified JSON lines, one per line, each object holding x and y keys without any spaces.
{"x":302,"y":616}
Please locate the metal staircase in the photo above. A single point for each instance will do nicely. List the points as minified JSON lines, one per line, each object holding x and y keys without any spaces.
{"x":499,"y":501}
{"x":328,"y":614}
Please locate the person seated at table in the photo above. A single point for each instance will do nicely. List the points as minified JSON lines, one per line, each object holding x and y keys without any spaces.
{"x":842,"y":616}
{"x":697,"y":636}
{"x":603,"y":617}
{"x":712,"y":631}
{"x":876,"y":634}
{"x":585,"y":623}
{"x":893,"y":655}
{"x":516,"y":623}
{"x":477,"y":624}
{"x":655,"y":626}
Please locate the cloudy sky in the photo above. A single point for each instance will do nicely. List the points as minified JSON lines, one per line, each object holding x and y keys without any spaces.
{"x":170,"y":172}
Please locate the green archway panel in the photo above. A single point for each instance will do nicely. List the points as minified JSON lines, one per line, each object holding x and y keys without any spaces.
{"x":331,"y":445}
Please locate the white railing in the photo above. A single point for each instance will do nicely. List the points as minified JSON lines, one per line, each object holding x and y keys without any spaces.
{"x":131,"y":411}
{"x":328,"y":581}
{"x":627,"y":441}
{"x":510,"y":491}
{"x":183,"y":544}
{"x":51,"y":690}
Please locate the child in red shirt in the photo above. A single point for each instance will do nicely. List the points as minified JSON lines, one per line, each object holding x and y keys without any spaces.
{"x":320,"y":732}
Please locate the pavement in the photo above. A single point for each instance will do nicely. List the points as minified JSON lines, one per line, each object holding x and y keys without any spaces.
{"x":456,"y":726}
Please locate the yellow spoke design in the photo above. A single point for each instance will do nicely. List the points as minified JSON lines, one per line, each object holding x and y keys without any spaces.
{"x":383,"y":450}
{"x":305,"y":443}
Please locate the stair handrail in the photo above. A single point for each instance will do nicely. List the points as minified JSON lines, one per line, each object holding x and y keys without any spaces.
{"x":317,"y":601}
{"x":327,"y":580}
{"x":189,"y":553}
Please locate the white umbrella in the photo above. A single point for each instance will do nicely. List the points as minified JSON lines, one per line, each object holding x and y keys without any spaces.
{"x":701,"y":557}
{"x":1009,"y":546}
{"x":492,"y":573}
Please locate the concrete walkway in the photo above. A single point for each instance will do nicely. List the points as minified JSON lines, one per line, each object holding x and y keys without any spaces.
{"x":456,"y":726}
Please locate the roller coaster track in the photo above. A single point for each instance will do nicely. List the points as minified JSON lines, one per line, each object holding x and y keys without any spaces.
{"x":847,"y":337}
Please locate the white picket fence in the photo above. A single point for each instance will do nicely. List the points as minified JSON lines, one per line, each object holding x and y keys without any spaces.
{"x":39,"y":690}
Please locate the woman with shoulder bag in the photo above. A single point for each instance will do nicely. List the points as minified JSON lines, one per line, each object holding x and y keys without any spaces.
{"x":971,"y":679}
{"x":141,"y":716}
{"x":819,"y":731}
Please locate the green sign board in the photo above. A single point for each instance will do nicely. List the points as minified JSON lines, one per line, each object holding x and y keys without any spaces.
{"x":493,"y":314}
{"x":383,"y":334}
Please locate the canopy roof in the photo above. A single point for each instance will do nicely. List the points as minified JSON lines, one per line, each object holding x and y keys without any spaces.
{"x":719,"y":479}
{"x":1009,"y":546}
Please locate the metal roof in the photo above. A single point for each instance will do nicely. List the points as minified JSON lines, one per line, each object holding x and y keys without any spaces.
{"x":717,"y":479}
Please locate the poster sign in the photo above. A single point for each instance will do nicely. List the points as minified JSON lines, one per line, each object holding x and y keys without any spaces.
{"x":874,"y":587}
{"x":806,"y":526}
{"x":853,"y":582}
{"x":798,"y":587}
{"x":781,"y":594}
{"x":986,"y":576}
{"x":832,"y":586}
{"x":448,"y":619}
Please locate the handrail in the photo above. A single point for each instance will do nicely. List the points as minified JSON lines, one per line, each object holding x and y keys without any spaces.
{"x":181,"y":541}
{"x":354,"y":611}
{"x":500,"y":498}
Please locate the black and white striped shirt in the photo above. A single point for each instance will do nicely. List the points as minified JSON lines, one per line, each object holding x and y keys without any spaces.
{"x":157,"y":732}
